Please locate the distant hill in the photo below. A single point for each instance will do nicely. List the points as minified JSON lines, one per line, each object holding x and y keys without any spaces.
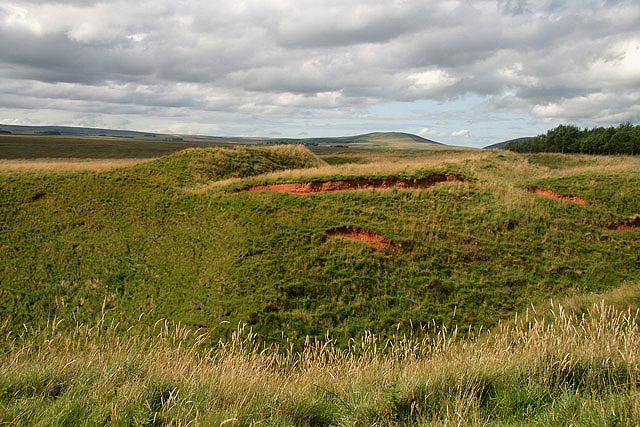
{"x":500,"y":145}
{"x":81,"y":131}
{"x":374,"y":140}
{"x":65,"y":141}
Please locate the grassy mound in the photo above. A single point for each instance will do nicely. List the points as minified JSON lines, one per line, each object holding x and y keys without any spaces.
{"x":200,"y":165}
{"x":148,"y":239}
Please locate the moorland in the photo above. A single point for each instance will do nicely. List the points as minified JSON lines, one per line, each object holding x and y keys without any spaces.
{"x":320,"y":285}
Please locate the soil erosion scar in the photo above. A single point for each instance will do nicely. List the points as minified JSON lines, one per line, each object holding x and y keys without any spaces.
{"x":554,"y":195}
{"x":625,"y":225}
{"x":358,"y":184}
{"x":361,"y":235}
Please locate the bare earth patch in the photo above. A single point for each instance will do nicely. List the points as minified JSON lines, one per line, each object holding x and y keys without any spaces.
{"x":360,"y":235}
{"x":357,"y":184}
{"x":553,"y":195}
{"x":625,"y":225}
{"x":38,"y":196}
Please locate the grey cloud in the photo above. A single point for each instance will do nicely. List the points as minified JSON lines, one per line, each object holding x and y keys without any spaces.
{"x":305,"y":57}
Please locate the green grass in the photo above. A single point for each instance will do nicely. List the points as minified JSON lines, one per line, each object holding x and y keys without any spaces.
{"x":146,"y":239}
{"x":92,"y":262}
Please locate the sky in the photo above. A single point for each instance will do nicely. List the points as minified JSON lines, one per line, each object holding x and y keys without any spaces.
{"x":467,"y":73}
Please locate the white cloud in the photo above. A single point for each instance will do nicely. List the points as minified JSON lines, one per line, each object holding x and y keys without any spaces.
{"x":431,"y":133}
{"x":461,"y":133}
{"x":17,"y":17}
{"x":432,"y":79}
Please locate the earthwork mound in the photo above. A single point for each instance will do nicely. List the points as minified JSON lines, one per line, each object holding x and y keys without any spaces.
{"x":360,"y":235}
{"x":332,"y":186}
{"x":553,"y":195}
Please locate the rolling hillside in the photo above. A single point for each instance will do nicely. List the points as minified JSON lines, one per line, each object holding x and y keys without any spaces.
{"x":30,"y":142}
{"x":500,"y":145}
{"x":243,"y":285}
{"x":180,"y":237}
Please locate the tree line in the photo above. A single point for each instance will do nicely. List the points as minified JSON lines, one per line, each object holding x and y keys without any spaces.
{"x":624,"y":139}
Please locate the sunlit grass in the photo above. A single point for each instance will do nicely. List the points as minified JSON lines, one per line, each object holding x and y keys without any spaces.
{"x":65,"y":165}
{"x":533,"y":369}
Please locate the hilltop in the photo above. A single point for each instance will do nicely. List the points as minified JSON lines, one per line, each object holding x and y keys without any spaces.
{"x":61,"y":141}
{"x":374,"y":140}
{"x":501,"y":145}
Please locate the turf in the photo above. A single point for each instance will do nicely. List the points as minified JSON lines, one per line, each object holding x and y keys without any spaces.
{"x":169,"y":239}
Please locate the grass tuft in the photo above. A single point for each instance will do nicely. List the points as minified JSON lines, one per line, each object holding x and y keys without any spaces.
{"x":529,"y":370}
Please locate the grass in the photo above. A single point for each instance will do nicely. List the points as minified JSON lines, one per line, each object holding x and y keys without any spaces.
{"x":90,"y":147}
{"x":271,"y":323}
{"x":574,"y":369}
{"x":168,"y":238}
{"x":66,"y":165}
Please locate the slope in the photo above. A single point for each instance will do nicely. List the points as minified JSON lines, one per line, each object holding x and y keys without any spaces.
{"x":28,"y":142}
{"x":167,"y":239}
{"x":500,"y":145}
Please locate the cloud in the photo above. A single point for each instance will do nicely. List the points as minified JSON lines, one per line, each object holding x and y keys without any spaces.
{"x":461,"y":133}
{"x":431,"y":133}
{"x":575,"y":60}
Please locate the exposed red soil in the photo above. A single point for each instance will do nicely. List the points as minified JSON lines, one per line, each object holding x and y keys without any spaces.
{"x":361,"y":235}
{"x":625,"y":225}
{"x":553,"y":195}
{"x":468,"y":243}
{"x":357,"y":184}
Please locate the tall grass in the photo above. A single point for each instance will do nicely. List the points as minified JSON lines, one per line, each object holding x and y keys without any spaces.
{"x":575,"y":369}
{"x":65,"y":165}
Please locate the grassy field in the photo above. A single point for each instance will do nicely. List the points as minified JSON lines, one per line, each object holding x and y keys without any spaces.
{"x":170,"y":238}
{"x":566,"y":369}
{"x":80,"y":147}
{"x":123,"y":284}
{"x":66,"y":164}
{"x":153,"y":292}
{"x":111,"y":147}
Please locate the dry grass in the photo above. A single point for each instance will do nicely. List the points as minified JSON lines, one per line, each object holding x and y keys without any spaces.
{"x":593,"y":163}
{"x":377,"y":165}
{"x":579,"y":368}
{"x":65,"y":165}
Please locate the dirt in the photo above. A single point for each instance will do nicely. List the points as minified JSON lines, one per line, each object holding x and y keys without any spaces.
{"x":357,"y":184}
{"x":468,"y":243}
{"x":625,"y":225}
{"x":360,"y":235}
{"x":553,"y":195}
{"x":38,"y":196}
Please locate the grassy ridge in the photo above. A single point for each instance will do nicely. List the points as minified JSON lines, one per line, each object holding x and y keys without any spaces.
{"x":90,"y":260}
{"x":157,"y":238}
{"x":578,"y":370}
